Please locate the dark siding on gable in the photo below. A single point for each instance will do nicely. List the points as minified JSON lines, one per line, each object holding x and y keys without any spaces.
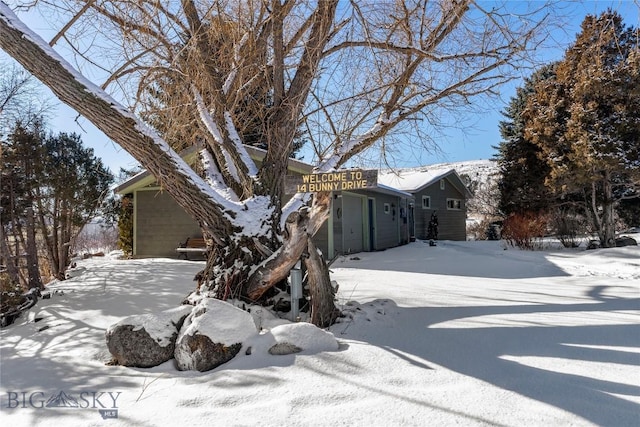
{"x":451,"y":223}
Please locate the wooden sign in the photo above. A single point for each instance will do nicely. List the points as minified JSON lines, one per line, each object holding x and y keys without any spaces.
{"x":342,"y":180}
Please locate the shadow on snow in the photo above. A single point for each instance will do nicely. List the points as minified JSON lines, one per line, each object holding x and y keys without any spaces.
{"x":484,"y":352}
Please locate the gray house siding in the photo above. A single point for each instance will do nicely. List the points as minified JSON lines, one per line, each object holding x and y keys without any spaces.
{"x":359,"y":222}
{"x":321,"y":240}
{"x":386,"y":224}
{"x":365,"y":220}
{"x":352,"y":223}
{"x":162,"y":226}
{"x":451,"y":222}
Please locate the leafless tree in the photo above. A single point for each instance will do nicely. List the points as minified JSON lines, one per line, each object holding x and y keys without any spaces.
{"x":354,"y":73}
{"x":20,"y":98}
{"x":20,"y":101}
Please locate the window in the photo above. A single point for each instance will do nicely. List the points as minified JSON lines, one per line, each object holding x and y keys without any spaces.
{"x":426,"y":202}
{"x":387,"y":208}
{"x":454,"y":204}
{"x":442,"y":184}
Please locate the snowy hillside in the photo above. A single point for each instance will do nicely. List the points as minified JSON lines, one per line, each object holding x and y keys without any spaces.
{"x":481,"y":176}
{"x":464,"y":333}
{"x":476,"y":170}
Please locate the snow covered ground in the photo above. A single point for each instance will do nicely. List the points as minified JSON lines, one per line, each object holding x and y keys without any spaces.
{"x":465,"y":333}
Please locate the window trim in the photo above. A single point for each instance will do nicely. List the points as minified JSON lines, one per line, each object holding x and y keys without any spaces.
{"x":428,"y":205}
{"x":442,"y":185}
{"x":455,"y":202}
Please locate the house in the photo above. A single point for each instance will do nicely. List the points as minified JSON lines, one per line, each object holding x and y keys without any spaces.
{"x":435,"y":190}
{"x":361,"y":220}
{"x":365,"y":220}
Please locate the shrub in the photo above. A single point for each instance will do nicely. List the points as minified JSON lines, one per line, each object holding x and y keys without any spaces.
{"x":485,"y":229}
{"x":95,"y":237}
{"x":10,"y":299}
{"x":125,"y":225}
{"x":525,"y":230}
{"x":568,"y":227}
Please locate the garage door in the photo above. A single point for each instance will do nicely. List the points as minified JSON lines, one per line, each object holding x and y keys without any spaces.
{"x":352,"y":224}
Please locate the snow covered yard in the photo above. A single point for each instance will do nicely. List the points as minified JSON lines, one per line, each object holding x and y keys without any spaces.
{"x":464,"y":333}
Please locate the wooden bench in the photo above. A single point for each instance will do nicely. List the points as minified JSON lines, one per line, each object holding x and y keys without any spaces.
{"x":192,"y":245}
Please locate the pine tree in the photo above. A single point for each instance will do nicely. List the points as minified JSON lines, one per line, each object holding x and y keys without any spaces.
{"x":522,"y":169}
{"x":57,"y":179}
{"x":73,"y":184}
{"x":20,"y":151}
{"x":586,"y":121}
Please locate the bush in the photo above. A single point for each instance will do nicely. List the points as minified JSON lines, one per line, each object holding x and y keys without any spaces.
{"x":568,"y":226}
{"x":11,"y":299}
{"x":477,"y":230}
{"x":525,"y":230}
{"x":125,"y":225}
{"x":95,"y":237}
{"x":485,"y":229}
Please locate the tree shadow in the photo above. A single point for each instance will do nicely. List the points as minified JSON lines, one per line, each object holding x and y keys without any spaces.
{"x":483,"y":259}
{"x":35,"y":356}
{"x":510,"y":357}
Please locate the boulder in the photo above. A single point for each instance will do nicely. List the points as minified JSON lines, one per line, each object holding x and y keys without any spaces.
{"x":625,"y":241}
{"x":296,"y":337}
{"x":147,"y":340}
{"x":284,"y":348}
{"x":212,"y":335}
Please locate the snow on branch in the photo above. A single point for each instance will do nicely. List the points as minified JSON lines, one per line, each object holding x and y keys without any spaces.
{"x":234,"y":137}
{"x":142,"y":142}
{"x":231,"y":78}
{"x":252,"y":169}
{"x":294,"y":204}
{"x":214,"y":177}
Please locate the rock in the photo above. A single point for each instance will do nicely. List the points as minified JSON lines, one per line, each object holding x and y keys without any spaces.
{"x":296,"y":337}
{"x":212,"y":335}
{"x":198,"y":352}
{"x":146,"y":340}
{"x":625,"y":241}
{"x":283,"y":348}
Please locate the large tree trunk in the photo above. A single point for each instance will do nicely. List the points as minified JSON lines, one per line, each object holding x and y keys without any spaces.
{"x":33,"y":268}
{"x":601,"y":211}
{"x":323,"y":307}
{"x":299,"y":227}
{"x":231,"y":272}
{"x":608,"y":225}
{"x":8,"y":258}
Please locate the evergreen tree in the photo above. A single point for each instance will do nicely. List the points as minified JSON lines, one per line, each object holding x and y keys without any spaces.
{"x":586,"y":121}
{"x":522,"y":169}
{"x":18,"y":176}
{"x":71,"y":189}
{"x":59,"y":179}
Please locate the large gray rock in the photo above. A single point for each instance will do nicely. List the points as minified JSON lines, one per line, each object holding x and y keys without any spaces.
{"x":296,"y":337}
{"x":212,"y":335}
{"x":146,"y":340}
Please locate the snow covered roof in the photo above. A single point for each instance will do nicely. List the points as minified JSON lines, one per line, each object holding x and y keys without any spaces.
{"x":414,"y":180}
{"x":144,"y":178}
